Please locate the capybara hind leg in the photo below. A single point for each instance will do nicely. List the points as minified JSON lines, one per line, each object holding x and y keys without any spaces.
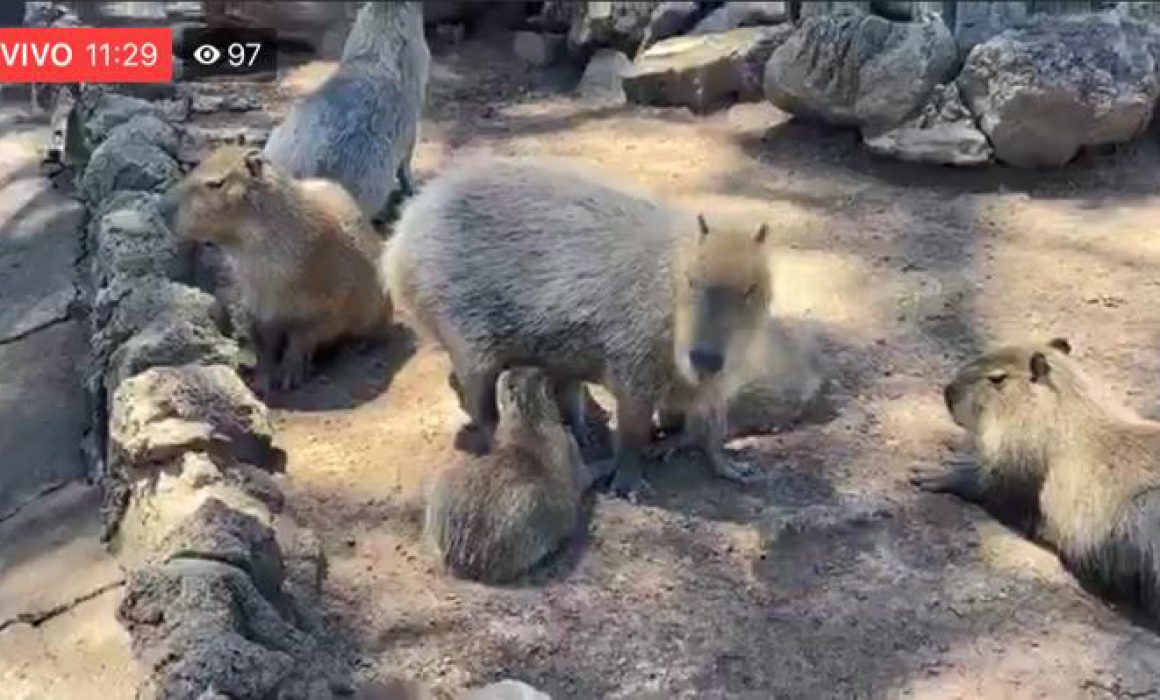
{"x":633,"y":432}
{"x":296,"y":360}
{"x":479,"y":399}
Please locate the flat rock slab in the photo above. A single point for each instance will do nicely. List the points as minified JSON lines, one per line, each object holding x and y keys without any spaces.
{"x":55,"y":572}
{"x":39,"y":243}
{"x":43,"y":411}
{"x":51,"y":555}
{"x":82,"y":653}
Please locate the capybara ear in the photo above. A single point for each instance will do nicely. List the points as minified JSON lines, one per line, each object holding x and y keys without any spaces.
{"x":1061,"y":345}
{"x":762,"y":233}
{"x":1039,"y":366}
{"x":255,"y":162}
{"x":703,"y":226}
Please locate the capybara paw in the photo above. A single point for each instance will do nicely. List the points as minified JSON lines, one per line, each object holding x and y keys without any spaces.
{"x":632,"y":488}
{"x":932,"y":479}
{"x":739,"y":470}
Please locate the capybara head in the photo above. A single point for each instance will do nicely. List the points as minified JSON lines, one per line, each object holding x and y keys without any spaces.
{"x":210,"y":203}
{"x":723,"y":294}
{"x":526,"y":395}
{"x":1010,"y":398}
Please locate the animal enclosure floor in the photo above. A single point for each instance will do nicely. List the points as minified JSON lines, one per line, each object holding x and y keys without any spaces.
{"x":834,"y":578}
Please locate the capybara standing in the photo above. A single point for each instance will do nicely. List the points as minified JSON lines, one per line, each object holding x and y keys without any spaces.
{"x":359,"y":128}
{"x":304,"y":258}
{"x":1083,"y":473}
{"x":516,"y":261}
{"x":494,"y":517}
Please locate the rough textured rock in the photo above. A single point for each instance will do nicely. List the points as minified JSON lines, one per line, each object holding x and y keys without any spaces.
{"x":944,"y":133}
{"x":539,"y":48}
{"x":1043,"y":92}
{"x":165,"y":411}
{"x":617,"y":24}
{"x":108,"y":110}
{"x":669,"y":19}
{"x":703,"y":72}
{"x":976,"y":22}
{"x":128,"y":164}
{"x":732,"y":15}
{"x":219,"y":533}
{"x":129,"y":239}
{"x":126,"y":307}
{"x":859,"y":70}
{"x":171,"y":341}
{"x":162,"y":497}
{"x":507,"y":690}
{"x":822,"y":8}
{"x":602,"y":84}
{"x":201,"y":626}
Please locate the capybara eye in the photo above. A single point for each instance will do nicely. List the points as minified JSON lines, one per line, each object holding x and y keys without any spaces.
{"x":215,"y":184}
{"x":997,"y":378}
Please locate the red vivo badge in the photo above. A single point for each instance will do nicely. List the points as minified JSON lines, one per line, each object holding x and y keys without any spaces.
{"x":86,"y":55}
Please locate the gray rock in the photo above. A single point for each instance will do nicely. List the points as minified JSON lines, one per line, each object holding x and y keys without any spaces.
{"x":822,"y":8}
{"x":127,"y":306}
{"x":976,"y":22}
{"x":129,"y":239}
{"x":165,"y":411}
{"x":107,"y":110}
{"x":944,"y":133}
{"x":507,"y":690}
{"x":203,"y":103}
{"x":669,"y":19}
{"x":1043,"y":92}
{"x":859,"y":70}
{"x":147,"y":128}
{"x":170,"y":341}
{"x":704,"y":72}
{"x":219,"y":533}
{"x":732,"y":15}
{"x":618,"y":24}
{"x":200,"y":626}
{"x":539,"y":48}
{"x":603,"y":83}
{"x":128,"y":164}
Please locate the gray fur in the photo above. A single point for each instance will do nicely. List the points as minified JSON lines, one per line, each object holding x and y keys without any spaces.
{"x":514,"y":261}
{"x":361,"y":125}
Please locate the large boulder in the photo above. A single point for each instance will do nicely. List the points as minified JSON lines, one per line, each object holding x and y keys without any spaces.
{"x":851,"y":69}
{"x":669,"y":19}
{"x":1043,"y":92}
{"x":976,"y":22}
{"x":129,"y":239}
{"x":733,"y":15}
{"x":704,"y":72}
{"x":943,"y":133}
{"x":619,"y":25}
{"x":602,"y":84}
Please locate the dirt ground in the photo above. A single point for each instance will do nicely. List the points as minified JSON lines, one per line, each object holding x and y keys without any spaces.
{"x":833,"y":577}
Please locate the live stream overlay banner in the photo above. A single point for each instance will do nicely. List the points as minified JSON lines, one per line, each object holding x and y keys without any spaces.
{"x":131,"y":55}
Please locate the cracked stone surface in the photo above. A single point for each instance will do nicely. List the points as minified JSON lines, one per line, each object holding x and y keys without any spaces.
{"x":58,"y":590}
{"x":38,"y":242}
{"x":41,"y":400}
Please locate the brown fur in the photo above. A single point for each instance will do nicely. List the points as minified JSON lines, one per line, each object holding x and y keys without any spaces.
{"x":303,"y":255}
{"x":1081,"y":472}
{"x":492,"y":518}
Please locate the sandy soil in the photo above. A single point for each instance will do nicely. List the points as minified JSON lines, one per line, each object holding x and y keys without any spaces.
{"x":833,"y":578}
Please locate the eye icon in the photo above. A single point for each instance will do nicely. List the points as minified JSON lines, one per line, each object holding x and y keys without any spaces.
{"x":207,"y":54}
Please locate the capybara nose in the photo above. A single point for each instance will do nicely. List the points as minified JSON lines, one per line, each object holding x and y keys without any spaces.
{"x":706,"y":362}
{"x":949,"y":396}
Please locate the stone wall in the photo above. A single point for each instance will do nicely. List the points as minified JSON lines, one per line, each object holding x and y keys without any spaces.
{"x":222,"y":585}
